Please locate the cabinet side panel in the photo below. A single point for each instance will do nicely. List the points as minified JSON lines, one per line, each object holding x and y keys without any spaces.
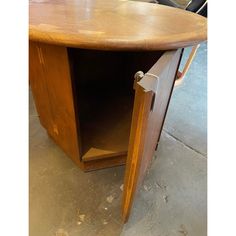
{"x":51,"y":85}
{"x":38,"y":86}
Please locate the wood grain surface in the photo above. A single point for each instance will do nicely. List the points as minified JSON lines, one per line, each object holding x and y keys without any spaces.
{"x":50,"y":81}
{"x":114,"y":25}
{"x":151,"y":102}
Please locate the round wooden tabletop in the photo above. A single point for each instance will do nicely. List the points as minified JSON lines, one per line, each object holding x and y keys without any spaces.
{"x":114,"y":25}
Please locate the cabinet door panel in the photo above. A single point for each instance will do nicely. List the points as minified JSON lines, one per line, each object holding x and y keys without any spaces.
{"x":152,"y":97}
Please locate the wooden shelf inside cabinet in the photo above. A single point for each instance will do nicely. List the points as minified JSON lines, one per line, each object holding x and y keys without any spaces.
{"x":81,"y":69}
{"x":105,"y":130}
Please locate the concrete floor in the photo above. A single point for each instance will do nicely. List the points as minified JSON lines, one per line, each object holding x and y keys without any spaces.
{"x":64,"y":201}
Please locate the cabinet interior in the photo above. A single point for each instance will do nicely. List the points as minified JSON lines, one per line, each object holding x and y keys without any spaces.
{"x":104,"y":96}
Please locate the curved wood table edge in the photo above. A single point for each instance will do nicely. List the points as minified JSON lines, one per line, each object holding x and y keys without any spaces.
{"x":168,"y":38}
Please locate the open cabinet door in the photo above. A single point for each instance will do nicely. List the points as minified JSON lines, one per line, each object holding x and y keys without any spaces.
{"x":152,"y":97}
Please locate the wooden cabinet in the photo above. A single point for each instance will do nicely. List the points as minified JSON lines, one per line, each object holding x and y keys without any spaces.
{"x":83,"y":57}
{"x":94,"y":109}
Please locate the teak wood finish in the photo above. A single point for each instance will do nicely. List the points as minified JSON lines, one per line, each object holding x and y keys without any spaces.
{"x":123,"y":37}
{"x":52,"y":89}
{"x":114,"y":25}
{"x":50,"y":82}
{"x":152,"y":97}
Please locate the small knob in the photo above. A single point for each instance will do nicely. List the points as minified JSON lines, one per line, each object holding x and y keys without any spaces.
{"x":138,"y":75}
